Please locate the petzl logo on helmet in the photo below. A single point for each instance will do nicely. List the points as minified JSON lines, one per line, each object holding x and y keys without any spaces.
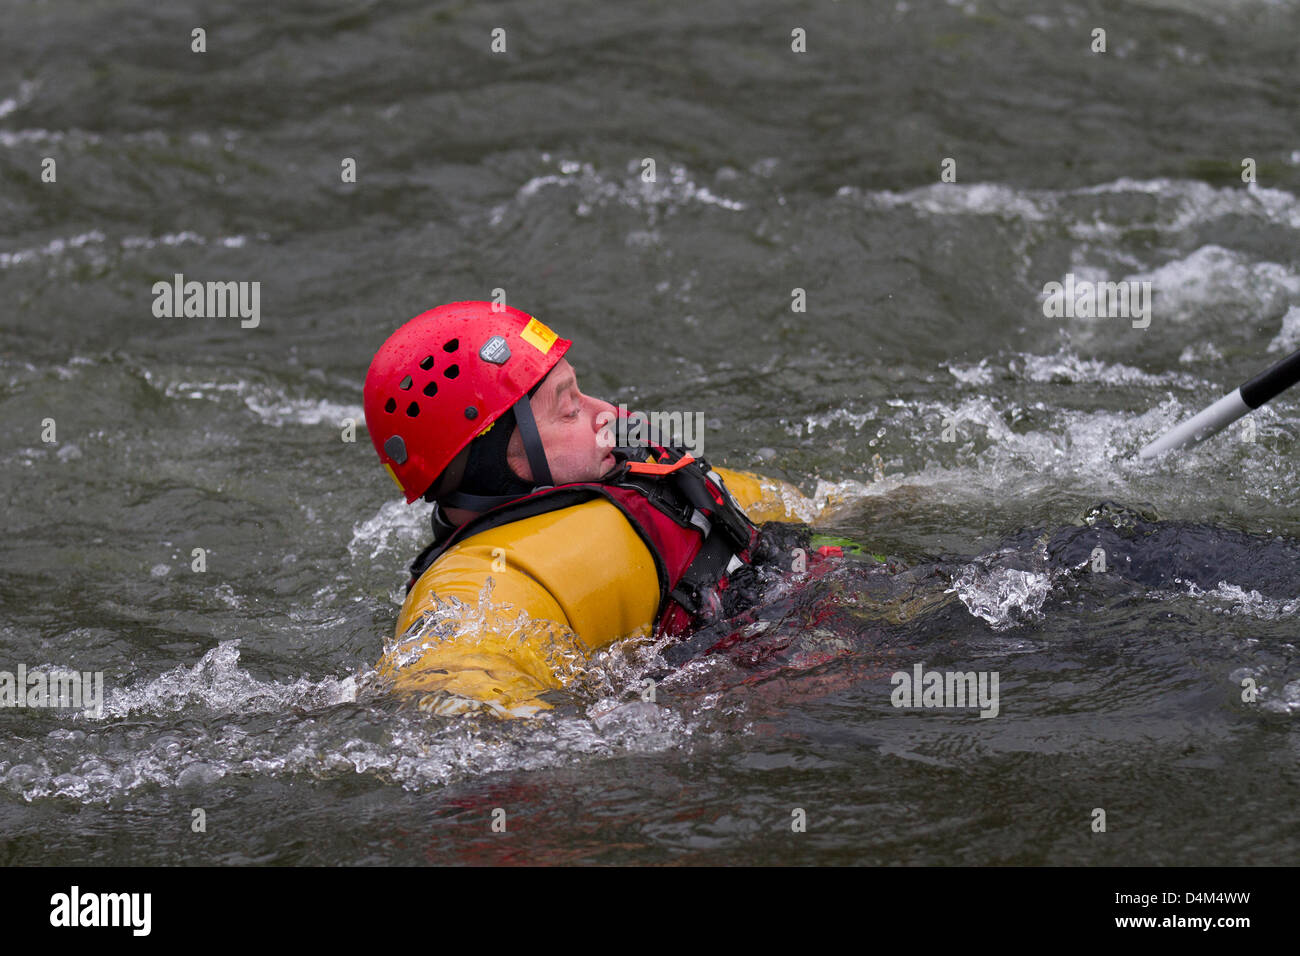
{"x":495,"y":350}
{"x":538,"y":336}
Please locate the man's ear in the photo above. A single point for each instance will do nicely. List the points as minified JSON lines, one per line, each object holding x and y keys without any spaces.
{"x":516,"y":458}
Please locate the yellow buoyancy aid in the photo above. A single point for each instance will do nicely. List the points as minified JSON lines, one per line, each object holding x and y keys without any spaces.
{"x":514,"y":611}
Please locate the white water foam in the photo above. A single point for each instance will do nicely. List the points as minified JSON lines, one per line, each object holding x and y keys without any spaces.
{"x":218,"y":684}
{"x":1179,"y":204}
{"x":211,"y":737}
{"x":1236,"y":601}
{"x":1279,"y":700}
{"x":672,"y":190}
{"x":58,"y":247}
{"x":270,"y":403}
{"x":26,"y":93}
{"x":395,"y":527}
{"x":1288,"y":336}
{"x":1004,"y":597}
{"x":1213,"y":276}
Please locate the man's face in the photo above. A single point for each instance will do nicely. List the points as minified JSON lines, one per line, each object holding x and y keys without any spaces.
{"x":571,"y":425}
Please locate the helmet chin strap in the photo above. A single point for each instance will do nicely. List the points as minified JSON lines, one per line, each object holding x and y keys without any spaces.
{"x":532,"y":443}
{"x":536,"y":453}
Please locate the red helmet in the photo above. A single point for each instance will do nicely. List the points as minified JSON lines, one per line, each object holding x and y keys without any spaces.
{"x":444,"y":377}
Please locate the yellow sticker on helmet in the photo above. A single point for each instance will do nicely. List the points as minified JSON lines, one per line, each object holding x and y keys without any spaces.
{"x":538,"y":336}
{"x":393,"y":475}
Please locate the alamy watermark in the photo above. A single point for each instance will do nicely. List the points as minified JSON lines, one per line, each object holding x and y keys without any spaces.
{"x":75,"y":908}
{"x":208,"y":300}
{"x":55,"y":689}
{"x":1085,"y":299}
{"x":956,"y":689}
{"x":638,"y":429}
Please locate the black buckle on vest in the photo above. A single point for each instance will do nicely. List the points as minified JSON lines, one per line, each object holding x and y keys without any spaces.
{"x":697,"y":591}
{"x":693,"y":484}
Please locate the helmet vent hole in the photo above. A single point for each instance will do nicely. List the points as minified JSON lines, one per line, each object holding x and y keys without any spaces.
{"x":390,"y":406}
{"x":452,"y":371}
{"x":431,"y":389}
{"x":451,"y":346}
{"x":413,"y":409}
{"x":426,"y":363}
{"x":405,"y":383}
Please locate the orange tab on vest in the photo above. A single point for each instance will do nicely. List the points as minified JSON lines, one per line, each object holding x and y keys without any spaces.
{"x":645,"y":468}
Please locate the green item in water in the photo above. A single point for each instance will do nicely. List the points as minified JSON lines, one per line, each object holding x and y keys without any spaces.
{"x":849,"y":546}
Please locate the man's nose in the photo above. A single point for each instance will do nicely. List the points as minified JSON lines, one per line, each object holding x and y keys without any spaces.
{"x":605,"y":413}
{"x":605,"y":421}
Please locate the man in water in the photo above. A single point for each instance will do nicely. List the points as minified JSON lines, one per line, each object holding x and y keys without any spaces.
{"x":549,"y":543}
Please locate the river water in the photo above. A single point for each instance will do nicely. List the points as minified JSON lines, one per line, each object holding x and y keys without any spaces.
{"x":921,"y":396}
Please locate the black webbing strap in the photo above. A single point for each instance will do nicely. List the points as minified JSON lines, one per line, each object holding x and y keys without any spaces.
{"x":532,"y":443}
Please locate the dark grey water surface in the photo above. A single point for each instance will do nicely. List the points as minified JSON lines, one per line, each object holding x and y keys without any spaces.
{"x":247,"y":690}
